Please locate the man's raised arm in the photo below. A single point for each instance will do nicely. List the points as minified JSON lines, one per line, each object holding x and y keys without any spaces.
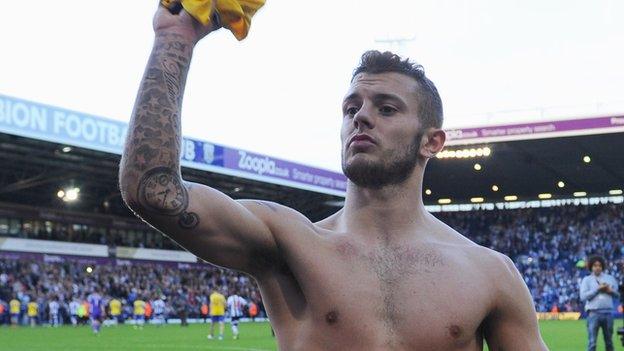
{"x":203,"y":220}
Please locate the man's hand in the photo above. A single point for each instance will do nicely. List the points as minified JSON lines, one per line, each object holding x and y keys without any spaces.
{"x":183,"y":24}
{"x":604,"y":287}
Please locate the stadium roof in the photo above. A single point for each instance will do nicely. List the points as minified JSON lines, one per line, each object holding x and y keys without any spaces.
{"x":524,"y":160}
{"x":44,"y":149}
{"x":558,"y":159}
{"x":33,"y":171}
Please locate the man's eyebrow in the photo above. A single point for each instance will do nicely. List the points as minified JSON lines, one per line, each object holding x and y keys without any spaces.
{"x":392,"y":97}
{"x":350,"y":97}
{"x":377,"y":98}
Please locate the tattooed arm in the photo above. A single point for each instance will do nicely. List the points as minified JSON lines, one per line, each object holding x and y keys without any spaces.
{"x":201,"y":219}
{"x":512,"y":324}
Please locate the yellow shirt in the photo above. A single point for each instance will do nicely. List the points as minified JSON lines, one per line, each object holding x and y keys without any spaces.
{"x":217,"y":304}
{"x":139,"y":307}
{"x":115,"y":307}
{"x":33,"y":308}
{"x":15,"y":306}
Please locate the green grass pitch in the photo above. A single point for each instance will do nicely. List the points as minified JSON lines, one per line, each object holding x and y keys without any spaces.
{"x":559,"y":336}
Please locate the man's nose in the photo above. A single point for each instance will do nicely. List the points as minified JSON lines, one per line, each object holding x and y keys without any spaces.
{"x":364,"y":117}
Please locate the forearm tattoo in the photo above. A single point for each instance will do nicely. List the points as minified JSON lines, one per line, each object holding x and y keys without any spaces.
{"x":151,"y":157}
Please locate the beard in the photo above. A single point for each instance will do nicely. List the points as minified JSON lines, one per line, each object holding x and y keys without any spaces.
{"x":388,"y":170}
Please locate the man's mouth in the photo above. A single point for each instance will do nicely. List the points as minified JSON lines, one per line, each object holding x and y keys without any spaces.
{"x":361,"y":140}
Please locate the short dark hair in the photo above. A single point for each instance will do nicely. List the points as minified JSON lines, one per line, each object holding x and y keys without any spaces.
{"x":430,"y":104}
{"x":595,"y":259}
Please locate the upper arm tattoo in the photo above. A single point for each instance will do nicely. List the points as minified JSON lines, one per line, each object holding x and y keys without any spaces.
{"x":162,"y":191}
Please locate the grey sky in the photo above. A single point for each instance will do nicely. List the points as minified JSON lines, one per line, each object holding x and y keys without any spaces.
{"x":279,"y":91}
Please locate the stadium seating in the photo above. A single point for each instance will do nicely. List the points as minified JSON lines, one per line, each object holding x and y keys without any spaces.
{"x":548,"y":245}
{"x":28,"y":280}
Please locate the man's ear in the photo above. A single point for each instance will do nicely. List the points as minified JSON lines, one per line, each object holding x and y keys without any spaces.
{"x":432,"y":142}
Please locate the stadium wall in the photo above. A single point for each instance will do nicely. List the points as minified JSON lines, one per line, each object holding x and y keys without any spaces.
{"x":58,"y":251}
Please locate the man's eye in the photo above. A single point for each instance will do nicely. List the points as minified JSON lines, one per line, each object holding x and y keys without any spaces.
{"x":387,"y":110}
{"x":351,"y":111}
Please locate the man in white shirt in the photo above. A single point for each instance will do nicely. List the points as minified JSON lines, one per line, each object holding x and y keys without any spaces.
{"x":235,"y":307}
{"x":159,"y":310}
{"x":53,"y":307}
{"x":73,"y":311}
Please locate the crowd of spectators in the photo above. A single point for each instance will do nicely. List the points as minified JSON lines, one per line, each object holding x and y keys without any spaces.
{"x":548,"y":245}
{"x":185,"y":291}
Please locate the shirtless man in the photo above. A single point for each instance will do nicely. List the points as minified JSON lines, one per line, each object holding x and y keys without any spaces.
{"x":439,"y":290}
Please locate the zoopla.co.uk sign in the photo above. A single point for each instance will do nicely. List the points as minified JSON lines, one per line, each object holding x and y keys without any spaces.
{"x":44,"y":122}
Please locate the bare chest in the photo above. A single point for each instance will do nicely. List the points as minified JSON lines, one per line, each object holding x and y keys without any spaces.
{"x":407,"y":295}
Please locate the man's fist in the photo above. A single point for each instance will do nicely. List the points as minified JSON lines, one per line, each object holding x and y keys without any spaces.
{"x":176,"y":20}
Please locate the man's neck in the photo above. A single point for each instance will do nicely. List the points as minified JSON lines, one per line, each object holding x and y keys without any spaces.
{"x":392,"y":211}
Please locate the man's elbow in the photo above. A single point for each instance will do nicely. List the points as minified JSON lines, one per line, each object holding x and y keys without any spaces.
{"x":126,"y":196}
{"x":128,"y":189}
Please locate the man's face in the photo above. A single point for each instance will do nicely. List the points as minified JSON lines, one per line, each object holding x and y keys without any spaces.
{"x":597,"y":268}
{"x":380,"y":130}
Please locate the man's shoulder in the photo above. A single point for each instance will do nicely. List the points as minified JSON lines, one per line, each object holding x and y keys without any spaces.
{"x":467,"y":248}
{"x":279,"y":218}
{"x":490,"y":262}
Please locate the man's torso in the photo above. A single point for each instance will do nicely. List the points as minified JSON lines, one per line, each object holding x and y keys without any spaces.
{"x":602,"y":301}
{"x":115,"y":307}
{"x":32,"y":309}
{"x":217,"y":304}
{"x":139,"y":307}
{"x":335,"y":292}
{"x":235,"y":305}
{"x":14,"y":306}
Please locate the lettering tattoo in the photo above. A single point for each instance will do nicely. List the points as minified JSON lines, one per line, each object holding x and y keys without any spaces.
{"x":171,"y":73}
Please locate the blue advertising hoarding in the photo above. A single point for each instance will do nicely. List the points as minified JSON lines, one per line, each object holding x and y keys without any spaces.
{"x":44,"y":122}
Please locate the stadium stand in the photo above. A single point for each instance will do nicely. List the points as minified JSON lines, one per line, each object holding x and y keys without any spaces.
{"x":29,"y":280}
{"x":547,"y":245}
{"x":42,"y":156}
